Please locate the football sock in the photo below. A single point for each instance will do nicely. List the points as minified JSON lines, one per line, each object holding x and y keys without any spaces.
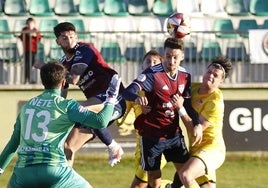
{"x":104,"y":135}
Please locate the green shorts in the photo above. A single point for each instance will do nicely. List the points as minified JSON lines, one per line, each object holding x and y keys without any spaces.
{"x":42,"y":176}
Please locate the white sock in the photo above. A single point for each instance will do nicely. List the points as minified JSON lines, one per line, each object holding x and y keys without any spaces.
{"x":113,"y":144}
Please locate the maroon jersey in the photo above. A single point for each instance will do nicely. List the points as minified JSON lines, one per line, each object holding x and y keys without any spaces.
{"x":163,"y":120}
{"x":97,"y":76}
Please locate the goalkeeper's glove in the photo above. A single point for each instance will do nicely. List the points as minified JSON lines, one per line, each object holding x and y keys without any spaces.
{"x":113,"y":90}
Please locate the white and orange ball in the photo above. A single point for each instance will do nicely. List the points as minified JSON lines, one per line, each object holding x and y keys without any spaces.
{"x":178,"y":25}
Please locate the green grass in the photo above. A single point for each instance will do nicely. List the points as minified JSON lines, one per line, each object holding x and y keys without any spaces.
{"x":240,"y":170}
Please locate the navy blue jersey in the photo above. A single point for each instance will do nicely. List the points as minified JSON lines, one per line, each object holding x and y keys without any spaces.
{"x":163,"y":120}
{"x":98,"y":74}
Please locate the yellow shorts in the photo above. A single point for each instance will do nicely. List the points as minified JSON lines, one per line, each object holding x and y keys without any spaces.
{"x":140,"y":173}
{"x":213,"y":159}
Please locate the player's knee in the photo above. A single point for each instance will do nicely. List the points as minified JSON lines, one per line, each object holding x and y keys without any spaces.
{"x":186,"y":177}
{"x":69,"y":151}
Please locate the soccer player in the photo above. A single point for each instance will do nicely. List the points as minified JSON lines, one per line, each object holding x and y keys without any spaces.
{"x":140,"y":180}
{"x":41,"y":129}
{"x":159,"y":129}
{"x":207,"y":100}
{"x":88,"y":70}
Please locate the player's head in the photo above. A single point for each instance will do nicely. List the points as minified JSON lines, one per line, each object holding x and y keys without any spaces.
{"x":216,"y":72}
{"x":53,"y":75}
{"x":30,"y":22}
{"x":66,"y":36}
{"x":174,"y":43}
{"x":150,"y":59}
{"x":63,"y":27}
{"x":222,"y":63}
{"x":173,"y":54}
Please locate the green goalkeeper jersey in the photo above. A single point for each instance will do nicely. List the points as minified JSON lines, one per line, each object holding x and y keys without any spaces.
{"x":42,"y":126}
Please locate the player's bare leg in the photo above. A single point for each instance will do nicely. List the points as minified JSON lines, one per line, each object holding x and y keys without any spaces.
{"x":208,"y":185}
{"x":75,"y":140}
{"x":115,"y":151}
{"x":154,"y":178}
{"x":137,"y":183}
{"x":79,"y":135}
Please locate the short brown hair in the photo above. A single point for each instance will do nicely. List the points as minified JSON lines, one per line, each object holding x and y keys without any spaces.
{"x":62,"y":27}
{"x":174,"y":43}
{"x":52,"y":74}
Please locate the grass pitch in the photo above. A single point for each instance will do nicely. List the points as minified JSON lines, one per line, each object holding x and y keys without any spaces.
{"x":240,"y":170}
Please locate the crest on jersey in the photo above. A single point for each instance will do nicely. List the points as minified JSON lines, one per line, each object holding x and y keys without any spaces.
{"x":181,"y":88}
{"x":78,"y":56}
{"x":141,"y":78}
{"x":165,"y":87}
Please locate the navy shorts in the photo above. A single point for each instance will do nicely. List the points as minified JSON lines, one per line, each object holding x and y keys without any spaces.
{"x":119,"y":108}
{"x":174,"y":149}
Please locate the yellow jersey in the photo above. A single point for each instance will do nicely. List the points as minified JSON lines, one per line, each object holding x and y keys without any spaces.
{"x":211,"y":107}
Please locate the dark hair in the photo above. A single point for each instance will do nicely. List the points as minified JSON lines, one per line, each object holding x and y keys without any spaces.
{"x":62,"y":27}
{"x":174,"y":43}
{"x":221,"y":62}
{"x":29,"y":20}
{"x":153,"y":53}
{"x":52,"y":75}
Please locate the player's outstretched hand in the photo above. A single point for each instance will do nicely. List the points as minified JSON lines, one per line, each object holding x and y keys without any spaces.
{"x":113,"y":89}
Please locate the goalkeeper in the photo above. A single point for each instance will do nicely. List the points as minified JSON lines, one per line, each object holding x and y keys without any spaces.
{"x":41,"y":129}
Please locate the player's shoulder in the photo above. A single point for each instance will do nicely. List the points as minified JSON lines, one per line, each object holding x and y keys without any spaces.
{"x":184,"y":70}
{"x":218,"y":94}
{"x":63,"y":59}
{"x":150,"y":71}
{"x":157,"y":68}
{"x":195,"y":86}
{"x":82,"y":46}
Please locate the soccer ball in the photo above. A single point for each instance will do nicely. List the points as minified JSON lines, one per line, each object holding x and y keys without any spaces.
{"x":178,"y":25}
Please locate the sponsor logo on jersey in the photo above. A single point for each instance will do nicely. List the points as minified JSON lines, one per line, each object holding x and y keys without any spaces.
{"x":86,"y":77}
